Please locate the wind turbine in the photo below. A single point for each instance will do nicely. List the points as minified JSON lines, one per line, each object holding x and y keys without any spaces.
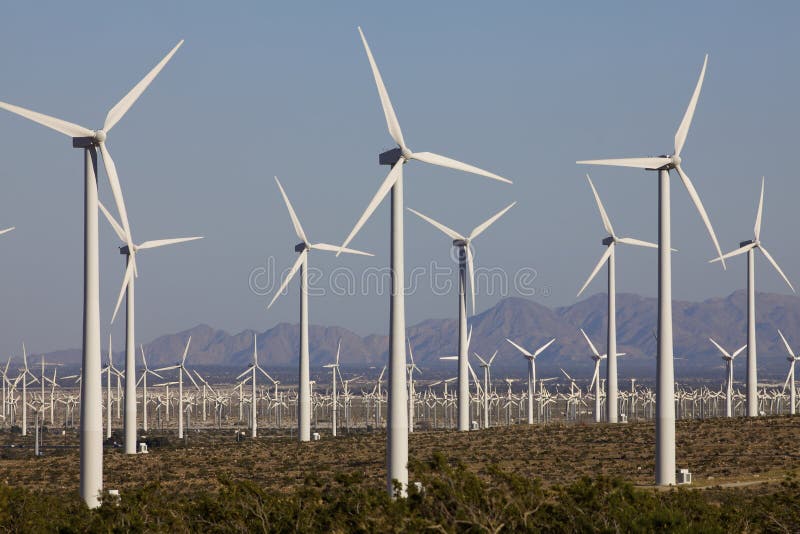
{"x":665,"y":393}
{"x":252,"y":370}
{"x":749,"y":247}
{"x":486,"y":372}
{"x":91,"y":469}
{"x":465,"y":266}
{"x":597,"y":357}
{"x":728,"y":357}
{"x":790,"y":377}
{"x":127,"y":290}
{"x":609,"y":257}
{"x":25,"y":372}
{"x":334,"y":367}
{"x":304,"y":247}
{"x":397,"y":429}
{"x":531,"y":372}
{"x":143,"y":380}
{"x":181,"y":367}
{"x":411,"y":367}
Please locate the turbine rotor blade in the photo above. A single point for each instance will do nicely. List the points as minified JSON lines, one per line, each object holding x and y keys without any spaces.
{"x":388,"y":111}
{"x":686,"y":122}
{"x":113,"y":222}
{"x":471,"y":275}
{"x":442,"y":161}
{"x":383,"y":190}
{"x":337,"y":248}
{"x":757,"y":228}
{"x":449,"y":232}
{"x":288,"y":278}
{"x":740,"y":250}
{"x":786,"y":344}
{"x":5,"y":231}
{"x":61,"y":126}
{"x":523,"y":351}
{"x":600,"y":263}
{"x":777,"y":268}
{"x":543,"y":347}
{"x":591,"y":345}
{"x":723,"y":351}
{"x":298,"y":229}
{"x":116,"y":189}
{"x":478,"y":230}
{"x":603,"y":214}
{"x":125,"y":281}
{"x":636,"y":242}
{"x":699,"y":205}
{"x":164,"y":242}
{"x":122,"y":107}
{"x":639,"y":163}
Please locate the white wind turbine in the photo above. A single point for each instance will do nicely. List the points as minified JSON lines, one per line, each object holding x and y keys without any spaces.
{"x":793,"y":358}
{"x":465,"y":268}
{"x":597,"y":357}
{"x":25,"y":373}
{"x":181,"y":367}
{"x":411,"y":367}
{"x":728,"y":357}
{"x":127,"y":290}
{"x":91,"y":469}
{"x":304,"y":247}
{"x":397,"y":429}
{"x":749,"y":247}
{"x":609,"y":257}
{"x":252,"y":371}
{"x":665,"y":394}
{"x":143,"y":381}
{"x":487,"y":365}
{"x":334,"y":367}
{"x":531,"y":372}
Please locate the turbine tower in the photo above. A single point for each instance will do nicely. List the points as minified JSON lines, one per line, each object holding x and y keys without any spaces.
{"x":750,"y":247}
{"x":665,"y":393}
{"x":127,"y":290}
{"x":610,"y":257}
{"x":304,"y":247}
{"x":397,"y":429}
{"x":728,"y":357}
{"x":465,"y":265}
{"x":91,"y":429}
{"x":334,"y":367}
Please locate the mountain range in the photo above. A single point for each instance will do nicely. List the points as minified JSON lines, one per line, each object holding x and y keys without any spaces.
{"x":528,"y":323}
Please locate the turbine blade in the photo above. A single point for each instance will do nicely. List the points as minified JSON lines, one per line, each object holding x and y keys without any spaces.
{"x":337,"y":248}
{"x":186,"y":350}
{"x":298,"y":229}
{"x":723,"y":351}
{"x":122,"y":107}
{"x":488,"y":222}
{"x":523,"y":351}
{"x":383,"y":190}
{"x":738,"y":351}
{"x":639,"y":163}
{"x":596,"y":373}
{"x":788,"y":376}
{"x":116,"y":189}
{"x":125,"y":281}
{"x":288,"y":278}
{"x":388,"y":110}
{"x":543,"y":347}
{"x":636,"y":242}
{"x":481,"y":359}
{"x":600,"y":263}
{"x":471,"y":274}
{"x":699,"y":205}
{"x":603,"y":214}
{"x":339,"y":350}
{"x":757,"y":228}
{"x":683,"y":129}
{"x":449,"y":232}
{"x":164,"y":242}
{"x":64,"y":127}
{"x":591,"y":345}
{"x":441,"y":161}
{"x":7,"y":230}
{"x":113,"y":222}
{"x":777,"y":268}
{"x":733,"y":253}
{"x":786,"y":344}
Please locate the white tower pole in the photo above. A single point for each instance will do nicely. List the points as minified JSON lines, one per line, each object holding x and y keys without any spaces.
{"x":304,"y":395}
{"x":333,"y":407}
{"x":253,"y":406}
{"x":397,"y":427}
{"x":729,"y":391}
{"x":463,"y":364}
{"x":611,"y":346}
{"x":531,"y":387}
{"x":180,"y":401}
{"x":91,"y":429}
{"x":665,"y":395}
{"x":144,"y":401}
{"x":130,"y":366}
{"x":752,"y":367}
{"x":793,"y":392}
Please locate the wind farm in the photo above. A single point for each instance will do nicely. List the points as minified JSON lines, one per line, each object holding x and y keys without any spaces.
{"x":338,"y":390}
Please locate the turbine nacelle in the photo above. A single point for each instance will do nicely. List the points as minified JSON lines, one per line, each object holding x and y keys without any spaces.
{"x":300,"y":247}
{"x":609,"y":240}
{"x":750,"y":242}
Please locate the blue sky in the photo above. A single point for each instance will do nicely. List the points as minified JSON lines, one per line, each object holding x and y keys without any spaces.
{"x":522,"y":89}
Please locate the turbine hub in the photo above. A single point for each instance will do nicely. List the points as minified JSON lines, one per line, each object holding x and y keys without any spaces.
{"x":100,"y":136}
{"x":676,"y":160}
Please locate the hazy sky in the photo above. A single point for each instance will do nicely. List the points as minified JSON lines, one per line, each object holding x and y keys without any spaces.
{"x":521,"y":89}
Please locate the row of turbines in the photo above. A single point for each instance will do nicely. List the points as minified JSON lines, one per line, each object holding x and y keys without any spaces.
{"x":398,"y":391}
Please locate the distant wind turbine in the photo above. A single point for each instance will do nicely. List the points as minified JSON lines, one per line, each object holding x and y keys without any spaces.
{"x":728,"y":357}
{"x":531,"y":372}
